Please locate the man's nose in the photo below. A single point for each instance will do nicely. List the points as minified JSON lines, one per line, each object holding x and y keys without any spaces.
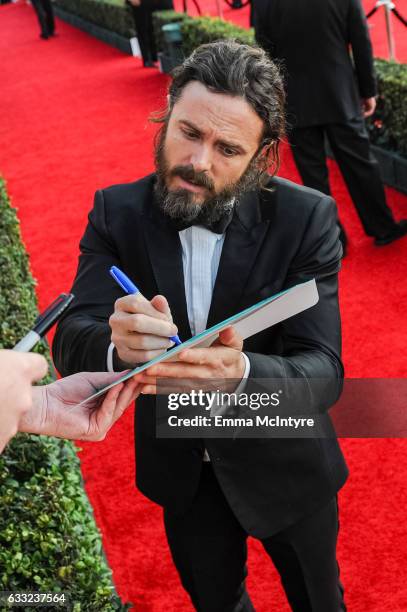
{"x":201,"y":159}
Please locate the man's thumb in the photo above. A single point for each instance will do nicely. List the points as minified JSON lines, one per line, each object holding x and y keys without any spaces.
{"x":228,"y":337}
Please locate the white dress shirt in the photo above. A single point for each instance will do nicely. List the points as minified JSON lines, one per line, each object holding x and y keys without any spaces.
{"x":201,"y":252}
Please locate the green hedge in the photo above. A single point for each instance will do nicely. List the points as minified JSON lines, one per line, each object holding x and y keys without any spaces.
{"x":18,"y":305}
{"x":110,"y":15}
{"x":48,"y":537}
{"x":202,"y":30}
{"x":198,"y":30}
{"x":388,"y":127}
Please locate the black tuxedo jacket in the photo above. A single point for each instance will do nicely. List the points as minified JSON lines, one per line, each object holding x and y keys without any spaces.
{"x":276,"y":239}
{"x":313,"y":38}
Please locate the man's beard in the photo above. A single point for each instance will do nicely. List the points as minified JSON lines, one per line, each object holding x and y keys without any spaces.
{"x":180,"y":204}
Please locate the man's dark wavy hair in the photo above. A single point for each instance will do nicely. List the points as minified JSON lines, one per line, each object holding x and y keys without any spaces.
{"x":228,"y":67}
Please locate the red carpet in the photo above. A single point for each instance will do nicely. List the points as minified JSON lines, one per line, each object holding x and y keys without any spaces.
{"x":74,"y":118}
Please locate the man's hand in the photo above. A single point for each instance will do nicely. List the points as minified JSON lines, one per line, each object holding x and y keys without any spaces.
{"x":135,"y":2}
{"x":141,"y":329}
{"x":368,"y":106}
{"x":55,"y":410}
{"x":222,"y":360}
{"x":17,"y":373}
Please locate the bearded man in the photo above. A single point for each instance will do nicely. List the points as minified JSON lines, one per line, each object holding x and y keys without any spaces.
{"x":210,"y":233}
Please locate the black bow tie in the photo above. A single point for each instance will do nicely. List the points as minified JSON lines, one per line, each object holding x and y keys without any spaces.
{"x":217,"y":227}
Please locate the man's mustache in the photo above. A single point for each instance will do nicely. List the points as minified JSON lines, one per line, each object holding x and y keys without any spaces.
{"x":187,"y":173}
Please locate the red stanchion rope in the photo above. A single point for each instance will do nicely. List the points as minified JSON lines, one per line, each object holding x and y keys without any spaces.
{"x":393,"y":10}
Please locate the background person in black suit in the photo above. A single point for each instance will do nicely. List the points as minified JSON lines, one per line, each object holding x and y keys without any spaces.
{"x":328,"y":95}
{"x":142,"y":11}
{"x":45,"y":14}
{"x":212,"y":198}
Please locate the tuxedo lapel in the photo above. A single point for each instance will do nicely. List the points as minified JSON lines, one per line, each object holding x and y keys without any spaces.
{"x":165,"y":254}
{"x":243,"y":241}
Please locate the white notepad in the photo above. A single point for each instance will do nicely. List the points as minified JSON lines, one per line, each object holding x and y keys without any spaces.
{"x":248,"y":322}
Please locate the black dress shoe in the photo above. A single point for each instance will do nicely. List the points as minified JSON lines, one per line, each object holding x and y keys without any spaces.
{"x":399,"y":231}
{"x":44,"y":36}
{"x":149,"y":64}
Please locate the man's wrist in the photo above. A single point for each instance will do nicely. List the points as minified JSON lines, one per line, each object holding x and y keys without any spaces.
{"x":33,"y":420}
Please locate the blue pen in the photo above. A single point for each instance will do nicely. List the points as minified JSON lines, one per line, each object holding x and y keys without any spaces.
{"x":129,"y":287}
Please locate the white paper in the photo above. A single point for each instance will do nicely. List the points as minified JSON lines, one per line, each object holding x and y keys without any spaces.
{"x":248,"y":322}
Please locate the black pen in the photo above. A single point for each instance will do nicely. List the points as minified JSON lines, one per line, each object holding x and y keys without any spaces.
{"x":44,"y":322}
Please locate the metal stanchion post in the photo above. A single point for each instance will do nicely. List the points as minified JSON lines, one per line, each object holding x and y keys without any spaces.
{"x":389,"y":6}
{"x":219,"y":7}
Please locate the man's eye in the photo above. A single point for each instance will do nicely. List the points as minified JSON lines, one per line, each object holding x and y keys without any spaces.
{"x":190,"y":135}
{"x":228,"y":152}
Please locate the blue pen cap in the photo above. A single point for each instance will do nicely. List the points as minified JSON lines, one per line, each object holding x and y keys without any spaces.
{"x":121,"y":279}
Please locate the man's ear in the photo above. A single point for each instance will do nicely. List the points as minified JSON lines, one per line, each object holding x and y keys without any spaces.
{"x":263,"y":156}
{"x":265,"y":150}
{"x":169,"y":109}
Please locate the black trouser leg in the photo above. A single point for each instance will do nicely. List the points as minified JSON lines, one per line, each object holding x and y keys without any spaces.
{"x":151,"y":37}
{"x":305,"y":557}
{"x":42,"y":17}
{"x":208,"y":547}
{"x":49,"y":15}
{"x":308,"y":148}
{"x":360,"y":170}
{"x":144,"y":28}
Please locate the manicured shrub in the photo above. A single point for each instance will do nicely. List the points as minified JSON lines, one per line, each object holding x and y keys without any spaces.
{"x":202,"y":30}
{"x":48,"y":538}
{"x":111,"y":15}
{"x":388,"y":127}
